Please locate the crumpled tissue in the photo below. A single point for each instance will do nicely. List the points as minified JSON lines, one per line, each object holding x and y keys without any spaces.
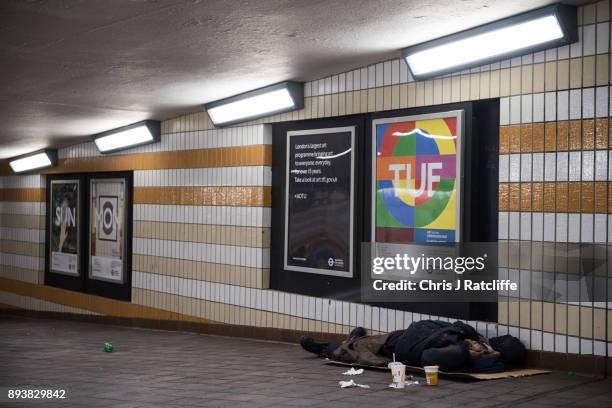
{"x":351,"y":383}
{"x":352,"y":371}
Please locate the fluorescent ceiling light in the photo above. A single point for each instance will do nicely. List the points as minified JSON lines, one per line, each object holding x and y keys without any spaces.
{"x":278,"y":98}
{"x":127,"y":137}
{"x":548,"y":27}
{"x":34,"y":161}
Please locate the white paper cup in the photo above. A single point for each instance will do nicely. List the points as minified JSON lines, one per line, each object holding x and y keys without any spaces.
{"x":398,"y":371}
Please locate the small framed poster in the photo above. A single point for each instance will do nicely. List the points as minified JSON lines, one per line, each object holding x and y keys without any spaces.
{"x":64,"y":228}
{"x":319,"y":199}
{"x":417,"y":178}
{"x":107,"y":233}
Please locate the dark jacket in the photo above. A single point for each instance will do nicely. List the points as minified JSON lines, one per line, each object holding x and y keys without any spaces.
{"x":444,"y":343}
{"x":363,"y":351}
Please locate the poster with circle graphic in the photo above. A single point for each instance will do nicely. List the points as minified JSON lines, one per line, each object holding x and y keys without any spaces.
{"x":417,"y":178}
{"x":64,"y":228}
{"x":107,"y":232}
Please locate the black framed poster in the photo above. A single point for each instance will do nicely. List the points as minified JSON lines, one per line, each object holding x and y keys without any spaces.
{"x":319,"y":201}
{"x":64,"y":242}
{"x":107,"y":229}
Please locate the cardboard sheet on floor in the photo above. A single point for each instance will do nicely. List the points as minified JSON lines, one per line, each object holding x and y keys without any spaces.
{"x":523,"y":372}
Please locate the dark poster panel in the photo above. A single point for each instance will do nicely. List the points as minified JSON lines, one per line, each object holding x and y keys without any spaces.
{"x":89,"y":233}
{"x":479,"y":212}
{"x":319,"y":201}
{"x":107,"y":248}
{"x":64,"y":232}
{"x":109,"y":236}
{"x":65,"y":225}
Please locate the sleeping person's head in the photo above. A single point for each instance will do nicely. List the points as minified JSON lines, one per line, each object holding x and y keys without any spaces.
{"x":477,"y":349}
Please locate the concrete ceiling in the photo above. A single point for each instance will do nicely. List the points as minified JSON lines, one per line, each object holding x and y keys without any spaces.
{"x":72,"y":68}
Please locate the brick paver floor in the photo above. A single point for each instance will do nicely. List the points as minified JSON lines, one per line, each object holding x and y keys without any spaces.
{"x":170,"y":369}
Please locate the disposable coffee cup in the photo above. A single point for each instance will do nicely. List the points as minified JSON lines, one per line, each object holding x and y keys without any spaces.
{"x":431,"y":374}
{"x":398,"y":371}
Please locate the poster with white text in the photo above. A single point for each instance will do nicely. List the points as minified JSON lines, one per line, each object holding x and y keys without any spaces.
{"x":64,"y":228}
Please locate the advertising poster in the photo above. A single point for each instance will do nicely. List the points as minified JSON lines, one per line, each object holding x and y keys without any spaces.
{"x":64,"y":229}
{"x":417,"y":178}
{"x":319,"y":201}
{"x":107,"y":229}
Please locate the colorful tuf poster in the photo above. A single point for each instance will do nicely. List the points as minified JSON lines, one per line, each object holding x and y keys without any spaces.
{"x":64,"y":239}
{"x":107,"y":232}
{"x":417,"y":178}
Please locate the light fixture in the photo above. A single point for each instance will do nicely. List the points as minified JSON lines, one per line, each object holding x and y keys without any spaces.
{"x":536,"y":30}
{"x":126,"y":137}
{"x":37,"y":160}
{"x":270,"y":100}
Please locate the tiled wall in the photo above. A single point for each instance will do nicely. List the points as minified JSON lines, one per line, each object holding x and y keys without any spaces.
{"x":202,"y":198}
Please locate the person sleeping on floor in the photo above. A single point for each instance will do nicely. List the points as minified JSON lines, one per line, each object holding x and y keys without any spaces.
{"x":454,"y":347}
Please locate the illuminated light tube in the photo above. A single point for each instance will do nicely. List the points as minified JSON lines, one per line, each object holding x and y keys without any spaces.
{"x":126,"y":137}
{"x":38,"y":160}
{"x":536,"y":30}
{"x":270,"y":100}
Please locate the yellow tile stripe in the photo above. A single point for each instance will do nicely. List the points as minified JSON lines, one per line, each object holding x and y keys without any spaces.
{"x":22,"y":221}
{"x":557,"y":196}
{"x":22,"y":194}
{"x":256,"y":155}
{"x":563,"y":135}
{"x":226,"y":196}
{"x":22,"y":248}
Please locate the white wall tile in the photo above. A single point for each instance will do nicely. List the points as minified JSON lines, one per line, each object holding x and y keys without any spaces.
{"x":588,"y":102}
{"x":537,"y":223}
{"x":600,"y":228}
{"x":603,"y":37}
{"x":538,"y":107}
{"x":515,"y":167}
{"x":502,"y":230}
{"x":504,"y":111}
{"x":561,"y":228}
{"x":504,"y":167}
{"x":562,"y":166}
{"x":550,"y":106}
{"x":575,"y":104}
{"x":514,"y":225}
{"x":526,"y":162}
{"x":586,"y":227}
{"x":527,"y":108}
{"x":601,"y":102}
{"x":525,"y":226}
{"x":538,"y":167}
{"x":515,"y":110}
{"x":562,"y":105}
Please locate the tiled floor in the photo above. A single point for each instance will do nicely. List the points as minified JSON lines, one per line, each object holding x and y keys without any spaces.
{"x":167,"y":369}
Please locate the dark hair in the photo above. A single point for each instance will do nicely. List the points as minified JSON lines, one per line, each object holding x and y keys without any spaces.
{"x":511,"y":349}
